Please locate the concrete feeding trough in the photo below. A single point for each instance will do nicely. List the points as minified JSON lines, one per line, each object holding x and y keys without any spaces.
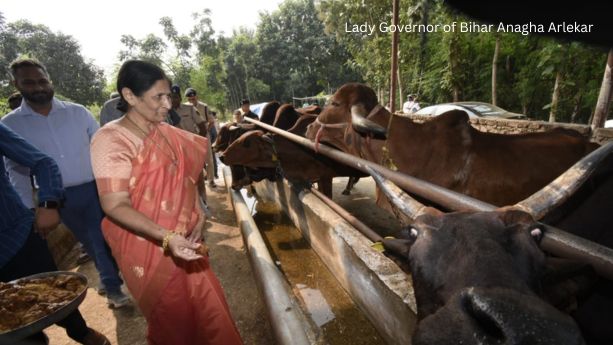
{"x":375,"y":283}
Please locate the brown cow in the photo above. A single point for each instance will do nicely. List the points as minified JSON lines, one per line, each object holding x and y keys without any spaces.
{"x":256,"y":149}
{"x":447,"y":150}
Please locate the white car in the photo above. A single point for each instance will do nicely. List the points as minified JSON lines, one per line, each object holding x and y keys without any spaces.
{"x":474,"y":109}
{"x":608,"y":124}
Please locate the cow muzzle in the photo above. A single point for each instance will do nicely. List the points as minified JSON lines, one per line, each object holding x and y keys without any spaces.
{"x":497,"y":316}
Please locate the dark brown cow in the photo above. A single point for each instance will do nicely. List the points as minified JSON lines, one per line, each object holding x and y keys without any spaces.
{"x":269,"y":112}
{"x":447,"y":150}
{"x":476,"y":276}
{"x":287,"y":115}
{"x":578,"y":201}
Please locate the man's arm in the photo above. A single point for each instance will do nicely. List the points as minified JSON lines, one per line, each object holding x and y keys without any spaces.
{"x":200,"y":123}
{"x":45,"y":171}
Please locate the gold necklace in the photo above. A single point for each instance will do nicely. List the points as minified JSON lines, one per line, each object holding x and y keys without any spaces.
{"x":172,"y":155}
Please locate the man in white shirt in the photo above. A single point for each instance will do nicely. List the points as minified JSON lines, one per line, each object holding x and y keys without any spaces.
{"x":63,"y":131}
{"x":411,"y":105}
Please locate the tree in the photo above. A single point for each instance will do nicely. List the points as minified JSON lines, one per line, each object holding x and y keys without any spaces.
{"x":73,"y":77}
{"x":296,"y":57}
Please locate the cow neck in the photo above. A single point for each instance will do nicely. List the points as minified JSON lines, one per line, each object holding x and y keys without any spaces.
{"x":386,"y":160}
{"x":275,"y":157}
{"x":322,"y":126}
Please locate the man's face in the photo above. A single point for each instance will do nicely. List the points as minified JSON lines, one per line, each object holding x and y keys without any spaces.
{"x":192,"y":99}
{"x":34,"y":85}
{"x":245,"y":107}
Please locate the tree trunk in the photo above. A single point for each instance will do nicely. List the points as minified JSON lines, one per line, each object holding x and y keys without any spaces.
{"x":573,"y":116}
{"x":604,"y":98}
{"x":423,"y":42}
{"x":400,"y":92}
{"x":554,"y":97}
{"x":495,"y":68}
{"x":456,"y":94}
{"x":394,"y":67}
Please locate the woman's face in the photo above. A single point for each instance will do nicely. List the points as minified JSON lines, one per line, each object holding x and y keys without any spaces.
{"x":153,"y":105}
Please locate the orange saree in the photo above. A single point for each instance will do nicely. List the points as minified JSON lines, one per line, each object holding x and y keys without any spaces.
{"x":182,"y":301}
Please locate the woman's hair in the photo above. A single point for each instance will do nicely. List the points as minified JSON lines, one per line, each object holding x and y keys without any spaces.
{"x":138,"y":76}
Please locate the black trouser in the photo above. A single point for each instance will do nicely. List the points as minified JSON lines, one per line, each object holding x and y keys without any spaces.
{"x":34,"y":257}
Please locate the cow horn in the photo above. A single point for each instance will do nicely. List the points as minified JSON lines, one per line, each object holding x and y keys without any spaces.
{"x":365,"y":126}
{"x":399,"y":199}
{"x":563,"y":187}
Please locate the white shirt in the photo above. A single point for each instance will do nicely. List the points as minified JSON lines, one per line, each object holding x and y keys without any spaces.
{"x":64,"y":135}
{"x":410,"y":107}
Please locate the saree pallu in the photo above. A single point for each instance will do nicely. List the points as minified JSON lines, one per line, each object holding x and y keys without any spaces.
{"x":182,"y":301}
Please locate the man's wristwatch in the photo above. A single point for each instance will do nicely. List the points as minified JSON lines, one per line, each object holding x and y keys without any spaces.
{"x":50,"y":204}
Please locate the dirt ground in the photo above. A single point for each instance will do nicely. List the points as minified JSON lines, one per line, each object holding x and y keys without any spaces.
{"x":126,"y":326}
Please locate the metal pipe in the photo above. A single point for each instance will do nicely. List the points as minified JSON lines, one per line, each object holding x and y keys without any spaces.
{"x":441,"y":196}
{"x":289,"y":324}
{"x":356,"y":223}
{"x":555,"y":241}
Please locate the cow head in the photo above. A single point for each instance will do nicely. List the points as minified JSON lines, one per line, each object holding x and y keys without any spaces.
{"x":286,"y":117}
{"x":353,"y":106}
{"x":228,"y":133}
{"x":269,"y":112}
{"x":253,"y":149}
{"x":476,"y":276}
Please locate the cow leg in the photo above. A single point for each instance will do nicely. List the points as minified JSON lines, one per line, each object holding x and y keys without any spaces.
{"x":324,"y":185}
{"x":350,"y":183}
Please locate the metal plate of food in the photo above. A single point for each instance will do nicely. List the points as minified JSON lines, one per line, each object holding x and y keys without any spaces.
{"x":30,"y":304}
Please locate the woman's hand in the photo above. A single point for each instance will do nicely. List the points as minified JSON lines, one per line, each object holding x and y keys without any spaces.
{"x":181,"y":248}
{"x":196,"y":235}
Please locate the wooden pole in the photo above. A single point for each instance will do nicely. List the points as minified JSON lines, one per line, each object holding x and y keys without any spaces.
{"x":394,"y":70}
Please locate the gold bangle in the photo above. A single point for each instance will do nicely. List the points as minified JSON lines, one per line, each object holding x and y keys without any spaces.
{"x":166,"y":240}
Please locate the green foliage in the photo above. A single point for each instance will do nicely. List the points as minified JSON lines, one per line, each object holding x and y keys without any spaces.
{"x":447,"y":66}
{"x":80,"y":80}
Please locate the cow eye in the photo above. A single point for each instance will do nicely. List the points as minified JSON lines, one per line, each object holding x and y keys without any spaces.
{"x":413,"y":232}
{"x":537,"y":234}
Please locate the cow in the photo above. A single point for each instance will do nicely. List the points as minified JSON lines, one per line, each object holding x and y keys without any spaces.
{"x":299,"y":164}
{"x":447,"y":150}
{"x":256,"y":149}
{"x":269,"y":112}
{"x":476,"y":277}
{"x":481,"y":244}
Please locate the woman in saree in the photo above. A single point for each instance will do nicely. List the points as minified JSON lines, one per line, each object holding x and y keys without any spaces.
{"x":147,"y":174}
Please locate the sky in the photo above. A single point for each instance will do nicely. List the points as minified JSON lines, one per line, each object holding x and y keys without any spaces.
{"x":98,"y":25}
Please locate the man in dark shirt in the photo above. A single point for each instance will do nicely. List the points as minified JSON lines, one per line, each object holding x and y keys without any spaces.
{"x":244,"y":111}
{"x":23,"y":250}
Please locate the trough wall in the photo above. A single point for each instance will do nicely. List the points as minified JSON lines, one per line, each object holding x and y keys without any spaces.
{"x":502,"y":126}
{"x":375,"y":283}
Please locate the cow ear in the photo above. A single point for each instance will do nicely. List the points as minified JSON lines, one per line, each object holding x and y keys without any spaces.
{"x":511,"y":217}
{"x":522,"y":221}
